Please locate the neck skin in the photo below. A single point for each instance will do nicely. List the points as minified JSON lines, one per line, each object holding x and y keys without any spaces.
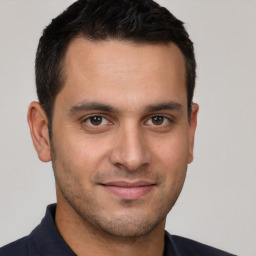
{"x":85,"y":240}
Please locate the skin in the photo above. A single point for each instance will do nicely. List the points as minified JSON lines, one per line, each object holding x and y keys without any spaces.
{"x":141,"y":134}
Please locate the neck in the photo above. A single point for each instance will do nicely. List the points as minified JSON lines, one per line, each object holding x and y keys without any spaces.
{"x":84,"y":239}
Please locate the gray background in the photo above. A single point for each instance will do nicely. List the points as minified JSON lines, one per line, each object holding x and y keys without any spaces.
{"x":218,"y":203}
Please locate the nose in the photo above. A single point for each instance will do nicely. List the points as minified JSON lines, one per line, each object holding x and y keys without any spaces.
{"x":130,"y":149}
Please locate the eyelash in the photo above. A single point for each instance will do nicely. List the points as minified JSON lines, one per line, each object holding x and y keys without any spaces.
{"x":88,"y":119}
{"x":166,"y":120}
{"x":150,"y":118}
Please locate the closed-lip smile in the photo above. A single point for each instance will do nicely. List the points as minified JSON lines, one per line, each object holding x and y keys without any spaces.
{"x":129,"y":190}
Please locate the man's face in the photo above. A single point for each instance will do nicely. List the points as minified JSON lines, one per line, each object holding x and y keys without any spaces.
{"x":121,"y":140}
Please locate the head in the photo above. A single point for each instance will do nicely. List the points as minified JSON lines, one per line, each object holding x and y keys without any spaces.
{"x":115,"y":82}
{"x":137,"y":21}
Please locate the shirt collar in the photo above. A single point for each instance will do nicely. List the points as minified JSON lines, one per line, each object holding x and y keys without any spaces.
{"x":170,"y":248}
{"x":45,"y":239}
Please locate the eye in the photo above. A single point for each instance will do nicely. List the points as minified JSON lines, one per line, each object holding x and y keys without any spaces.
{"x":158,"y":121}
{"x":96,"y":120}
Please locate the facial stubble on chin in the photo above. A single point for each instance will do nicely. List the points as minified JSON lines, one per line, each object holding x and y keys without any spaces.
{"x":123,"y":227}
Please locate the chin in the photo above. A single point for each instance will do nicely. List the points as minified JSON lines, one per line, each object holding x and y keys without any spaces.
{"x":128,"y":226}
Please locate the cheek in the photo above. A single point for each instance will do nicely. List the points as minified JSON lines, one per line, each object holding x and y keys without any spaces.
{"x":171,"y":150}
{"x":170,"y":156}
{"x":81,"y":153}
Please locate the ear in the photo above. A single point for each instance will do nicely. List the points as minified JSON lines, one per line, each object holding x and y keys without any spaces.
{"x":38,"y":124}
{"x":192,"y":129}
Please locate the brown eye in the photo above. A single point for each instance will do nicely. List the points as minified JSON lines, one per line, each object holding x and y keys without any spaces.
{"x":96,"y":123}
{"x":96,"y":120}
{"x":158,"y":120}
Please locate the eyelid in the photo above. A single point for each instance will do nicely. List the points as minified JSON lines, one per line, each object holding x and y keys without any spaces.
{"x":169,"y":118}
{"x":103,"y":116}
{"x":166,"y":117}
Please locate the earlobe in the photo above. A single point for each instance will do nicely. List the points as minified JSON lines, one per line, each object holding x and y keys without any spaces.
{"x":38,"y":122}
{"x":192,"y":130}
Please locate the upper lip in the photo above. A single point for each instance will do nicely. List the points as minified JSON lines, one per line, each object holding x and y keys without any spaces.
{"x":129,"y":184}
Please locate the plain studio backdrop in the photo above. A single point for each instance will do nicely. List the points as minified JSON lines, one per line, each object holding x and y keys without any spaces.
{"x":218,"y":203}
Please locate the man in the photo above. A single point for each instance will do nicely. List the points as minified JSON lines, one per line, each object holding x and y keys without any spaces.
{"x":115,"y":82}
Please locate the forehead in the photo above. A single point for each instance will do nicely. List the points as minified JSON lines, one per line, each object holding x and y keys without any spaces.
{"x":123,"y":72}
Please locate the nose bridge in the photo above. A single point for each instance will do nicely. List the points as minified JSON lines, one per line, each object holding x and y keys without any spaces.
{"x":130,"y":148}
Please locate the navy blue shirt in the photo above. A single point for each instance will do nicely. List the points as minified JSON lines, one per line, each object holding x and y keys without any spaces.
{"x":45,"y":240}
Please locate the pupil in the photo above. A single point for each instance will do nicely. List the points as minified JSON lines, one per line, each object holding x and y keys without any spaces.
{"x":158,"y":120}
{"x":96,"y":120}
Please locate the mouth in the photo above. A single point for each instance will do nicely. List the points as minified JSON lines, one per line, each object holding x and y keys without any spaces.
{"x":129,"y":190}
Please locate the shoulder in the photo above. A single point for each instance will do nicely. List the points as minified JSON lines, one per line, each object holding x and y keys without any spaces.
{"x":19,"y":247}
{"x":191,"y":247}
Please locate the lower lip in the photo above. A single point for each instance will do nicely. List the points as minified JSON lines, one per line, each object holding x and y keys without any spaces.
{"x":129,"y":193}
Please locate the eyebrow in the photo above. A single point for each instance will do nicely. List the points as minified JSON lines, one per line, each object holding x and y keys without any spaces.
{"x":88,"y":106}
{"x":92,"y":106}
{"x":164,"y":106}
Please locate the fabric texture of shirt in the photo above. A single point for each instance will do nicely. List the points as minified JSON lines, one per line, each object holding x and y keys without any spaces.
{"x":45,"y":240}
